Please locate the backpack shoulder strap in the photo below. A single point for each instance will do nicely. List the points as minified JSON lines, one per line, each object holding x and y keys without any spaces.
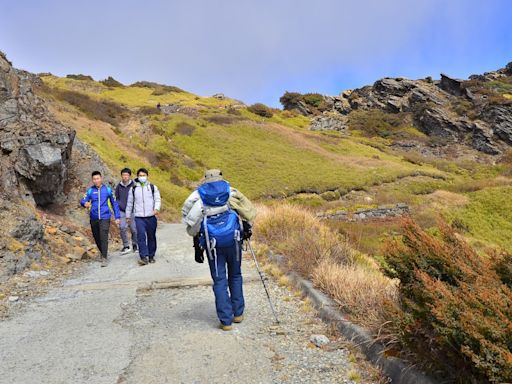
{"x":133,"y":195}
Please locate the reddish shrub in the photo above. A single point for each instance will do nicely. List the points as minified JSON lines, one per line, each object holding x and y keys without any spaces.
{"x":458,"y":309}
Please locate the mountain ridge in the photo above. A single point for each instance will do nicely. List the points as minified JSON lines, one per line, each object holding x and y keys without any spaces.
{"x":474,"y":112}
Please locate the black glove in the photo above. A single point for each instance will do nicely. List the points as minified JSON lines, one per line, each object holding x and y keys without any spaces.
{"x":198,"y":252}
{"x":246,"y":231}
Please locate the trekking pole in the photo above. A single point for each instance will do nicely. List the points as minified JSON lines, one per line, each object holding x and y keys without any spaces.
{"x":262,"y":280}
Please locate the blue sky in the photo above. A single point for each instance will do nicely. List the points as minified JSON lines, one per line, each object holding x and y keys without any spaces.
{"x":256,"y":50}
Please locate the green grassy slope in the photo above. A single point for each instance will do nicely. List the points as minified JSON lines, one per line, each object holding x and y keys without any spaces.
{"x":277,"y":157}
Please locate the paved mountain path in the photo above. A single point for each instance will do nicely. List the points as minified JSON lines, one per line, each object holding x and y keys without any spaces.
{"x":157,"y":324}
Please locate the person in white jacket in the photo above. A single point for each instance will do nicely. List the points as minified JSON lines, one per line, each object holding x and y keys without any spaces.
{"x":143,"y":206}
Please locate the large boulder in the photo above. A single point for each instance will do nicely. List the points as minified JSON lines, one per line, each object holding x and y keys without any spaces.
{"x":35,"y":148}
{"x":451,"y":85}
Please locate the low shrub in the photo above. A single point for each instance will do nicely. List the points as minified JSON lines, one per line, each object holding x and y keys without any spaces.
{"x":457,"y":306}
{"x":184,"y":128}
{"x":313,"y":99}
{"x":222,"y":119}
{"x":375,"y":122}
{"x":111,"y":82}
{"x":315,"y":102}
{"x":290,"y":99}
{"x":150,"y":110}
{"x":159,"y":89}
{"x":261,"y":110}
{"x":80,"y":77}
{"x":103,"y":110}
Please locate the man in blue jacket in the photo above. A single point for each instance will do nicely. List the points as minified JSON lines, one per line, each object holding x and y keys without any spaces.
{"x":97,"y":199}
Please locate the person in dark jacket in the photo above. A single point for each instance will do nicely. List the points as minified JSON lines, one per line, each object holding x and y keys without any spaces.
{"x":123,"y":189}
{"x":97,"y":199}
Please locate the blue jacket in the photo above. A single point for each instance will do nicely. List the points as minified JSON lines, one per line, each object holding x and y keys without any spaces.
{"x":100,"y":197}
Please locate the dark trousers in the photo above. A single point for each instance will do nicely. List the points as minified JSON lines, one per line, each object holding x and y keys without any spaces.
{"x":228,"y":291}
{"x":100,"y":229}
{"x":146,"y":235}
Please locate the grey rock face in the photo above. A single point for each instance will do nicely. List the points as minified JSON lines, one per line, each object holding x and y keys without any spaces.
{"x":29,"y":229}
{"x":329,"y":121}
{"x":500,"y":118}
{"x":446,"y":109}
{"x":482,"y":139}
{"x":35,"y":148}
{"x":435,"y":121}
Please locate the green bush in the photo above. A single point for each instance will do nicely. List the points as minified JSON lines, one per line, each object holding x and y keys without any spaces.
{"x":457,"y":304}
{"x":260,"y":110}
{"x":111,"y":82}
{"x":315,"y":102}
{"x":313,"y":99}
{"x":290,"y":99}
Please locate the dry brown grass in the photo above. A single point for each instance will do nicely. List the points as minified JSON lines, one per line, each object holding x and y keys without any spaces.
{"x":443,"y":198}
{"x":324,"y":256}
{"x":365,"y":294}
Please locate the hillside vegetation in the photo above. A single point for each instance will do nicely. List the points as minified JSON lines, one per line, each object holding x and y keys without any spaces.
{"x":278,"y":157}
{"x":264,"y":157}
{"x":296,"y":173}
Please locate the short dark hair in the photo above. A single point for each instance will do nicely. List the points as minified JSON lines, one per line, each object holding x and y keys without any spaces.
{"x":142,"y":170}
{"x":126,"y":170}
{"x":96,"y":173}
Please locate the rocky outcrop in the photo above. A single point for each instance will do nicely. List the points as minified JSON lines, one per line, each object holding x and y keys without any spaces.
{"x":35,"y":157}
{"x":453,"y":110}
{"x":364,"y":214}
{"x":35,"y":148}
{"x":171,"y":109}
{"x":329,"y":121}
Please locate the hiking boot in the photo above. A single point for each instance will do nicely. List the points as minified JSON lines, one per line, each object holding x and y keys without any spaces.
{"x":238,"y":319}
{"x":125,"y":250}
{"x":104,"y":262}
{"x":225,"y":327}
{"x":152,"y":260}
{"x":134,"y":247}
{"x":143,"y":261}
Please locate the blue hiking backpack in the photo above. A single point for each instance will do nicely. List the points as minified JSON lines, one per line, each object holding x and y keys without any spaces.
{"x":222,"y":229}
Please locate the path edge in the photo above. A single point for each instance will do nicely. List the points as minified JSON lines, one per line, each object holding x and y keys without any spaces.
{"x":396,"y":369}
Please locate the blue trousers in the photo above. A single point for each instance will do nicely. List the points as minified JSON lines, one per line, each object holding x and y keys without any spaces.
{"x":146,"y":235}
{"x":229,"y":295}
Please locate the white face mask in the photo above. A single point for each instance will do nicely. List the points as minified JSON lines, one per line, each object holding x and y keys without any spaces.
{"x":143,"y":179}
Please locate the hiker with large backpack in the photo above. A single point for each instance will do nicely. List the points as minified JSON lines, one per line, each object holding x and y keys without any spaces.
{"x":100,"y":200}
{"x":123,"y":189}
{"x":143,"y":206}
{"x":219,"y":218}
